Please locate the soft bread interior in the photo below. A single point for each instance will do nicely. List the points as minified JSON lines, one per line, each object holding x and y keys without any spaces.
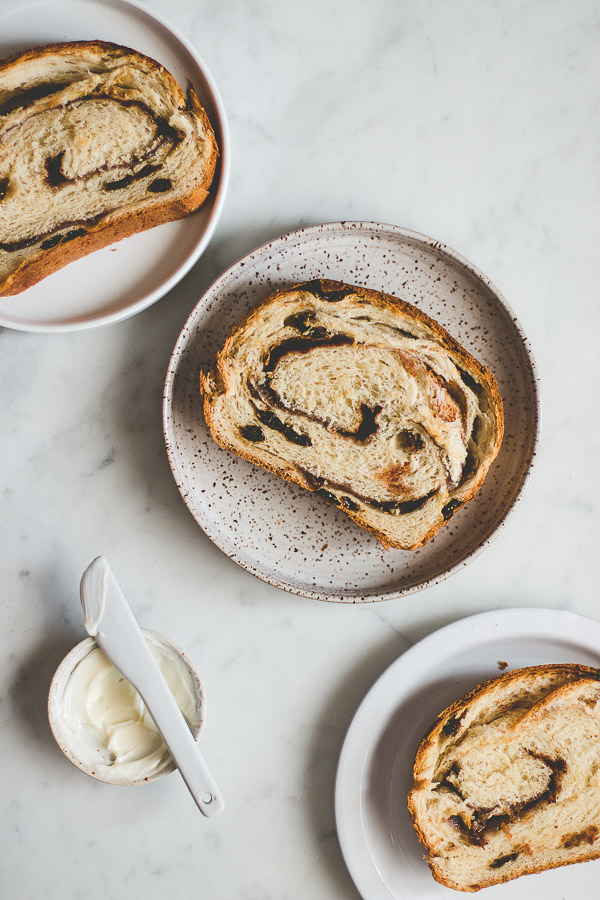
{"x":361,"y":399}
{"x":87,"y":132}
{"x":508,"y":781}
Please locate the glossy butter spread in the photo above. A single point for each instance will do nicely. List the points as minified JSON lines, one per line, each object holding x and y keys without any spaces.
{"x":104,"y":719}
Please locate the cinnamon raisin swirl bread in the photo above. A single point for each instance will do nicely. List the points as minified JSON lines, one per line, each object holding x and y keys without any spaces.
{"x":507,"y":782}
{"x":97,"y":142}
{"x":361,"y":398}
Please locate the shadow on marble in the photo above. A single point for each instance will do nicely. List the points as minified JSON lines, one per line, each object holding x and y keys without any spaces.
{"x":30,"y":686}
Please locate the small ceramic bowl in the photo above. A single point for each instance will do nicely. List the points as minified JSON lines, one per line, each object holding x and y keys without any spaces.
{"x":63,"y":730}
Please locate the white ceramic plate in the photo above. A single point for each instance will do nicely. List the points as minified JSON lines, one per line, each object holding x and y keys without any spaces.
{"x":375,"y":768}
{"x":374,"y":773}
{"x":121,"y":280}
{"x":286,"y":535}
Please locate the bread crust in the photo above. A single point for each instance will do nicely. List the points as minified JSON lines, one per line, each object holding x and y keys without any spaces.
{"x":212,"y":384}
{"x":503,"y":879}
{"x":64,"y":48}
{"x":575,"y":672}
{"x":115,"y":225}
{"x":123,"y":226}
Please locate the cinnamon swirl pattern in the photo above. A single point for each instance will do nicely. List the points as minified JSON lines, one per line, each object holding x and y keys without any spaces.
{"x":97,"y":142}
{"x":362,"y":399}
{"x":506,"y":782}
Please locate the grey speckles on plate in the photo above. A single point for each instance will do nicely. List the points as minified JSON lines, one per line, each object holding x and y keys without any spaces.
{"x":286,"y":535}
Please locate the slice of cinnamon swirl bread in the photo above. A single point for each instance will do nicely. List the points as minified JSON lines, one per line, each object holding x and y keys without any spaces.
{"x":97,"y":142}
{"x":507,"y":782}
{"x":361,"y":398}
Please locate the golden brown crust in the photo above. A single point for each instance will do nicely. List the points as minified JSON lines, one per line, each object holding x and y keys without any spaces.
{"x":386,"y":302}
{"x":457,"y":710}
{"x":450,"y":712}
{"x":504,"y":878}
{"x":66,"y":47}
{"x":121,"y":224}
{"x":39,"y":267}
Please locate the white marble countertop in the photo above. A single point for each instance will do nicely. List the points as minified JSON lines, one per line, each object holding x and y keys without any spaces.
{"x":474,"y":123}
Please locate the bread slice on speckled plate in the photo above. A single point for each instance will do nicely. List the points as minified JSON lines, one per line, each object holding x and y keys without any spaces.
{"x":361,"y":398}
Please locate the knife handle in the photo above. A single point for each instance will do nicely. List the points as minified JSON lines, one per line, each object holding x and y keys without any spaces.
{"x":182,"y":746}
{"x":110,"y":620}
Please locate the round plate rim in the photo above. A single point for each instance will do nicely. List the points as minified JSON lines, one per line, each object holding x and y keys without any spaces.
{"x":319,"y":229}
{"x":534,"y":622}
{"x":129,"y":310}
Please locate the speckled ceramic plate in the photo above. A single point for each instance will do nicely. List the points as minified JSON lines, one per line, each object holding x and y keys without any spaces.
{"x":286,"y":535}
{"x":374,"y":773}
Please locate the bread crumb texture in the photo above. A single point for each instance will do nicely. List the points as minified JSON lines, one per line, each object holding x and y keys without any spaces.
{"x":507,"y":782}
{"x":97,"y":142}
{"x":361,"y":398}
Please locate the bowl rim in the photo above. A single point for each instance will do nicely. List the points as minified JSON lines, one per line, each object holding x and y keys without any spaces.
{"x":61,"y":677}
{"x":305,"y":233}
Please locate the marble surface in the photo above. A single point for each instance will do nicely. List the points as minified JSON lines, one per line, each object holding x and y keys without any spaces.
{"x":474,"y":123}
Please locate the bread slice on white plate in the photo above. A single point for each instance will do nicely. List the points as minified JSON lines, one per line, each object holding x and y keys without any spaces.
{"x":507,"y":782}
{"x":363,"y":399}
{"x":97,"y":142}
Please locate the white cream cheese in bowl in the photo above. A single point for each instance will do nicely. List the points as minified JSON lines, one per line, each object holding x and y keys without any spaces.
{"x":100,"y":721}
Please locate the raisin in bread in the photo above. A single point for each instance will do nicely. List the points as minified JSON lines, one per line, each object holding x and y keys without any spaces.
{"x":361,"y":398}
{"x":507,"y":782}
{"x":97,"y":142}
